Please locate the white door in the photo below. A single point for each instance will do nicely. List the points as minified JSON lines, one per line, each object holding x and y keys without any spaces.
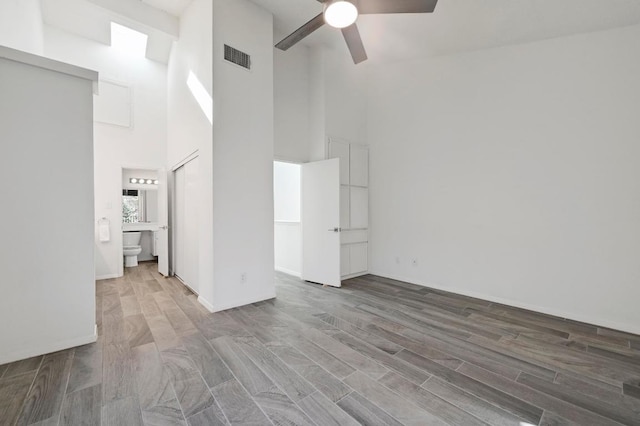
{"x":162,"y":237}
{"x":185,"y":233}
{"x":321,"y":222}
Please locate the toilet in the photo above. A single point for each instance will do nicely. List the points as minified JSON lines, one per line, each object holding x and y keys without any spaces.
{"x":131,"y":248}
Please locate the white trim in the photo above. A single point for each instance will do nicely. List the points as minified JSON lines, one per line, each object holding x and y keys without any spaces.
{"x":107,"y":277}
{"x":179,"y":278}
{"x":129,"y":166}
{"x":598,"y":322}
{"x":242,"y":302}
{"x":278,"y":159}
{"x":345,"y":141}
{"x":204,"y":302}
{"x":288,"y":272}
{"x":356,"y":274}
{"x":49,"y":348}
{"x":48,"y":64}
{"x":287,"y":222}
{"x":185,"y":160}
{"x":130,"y":102}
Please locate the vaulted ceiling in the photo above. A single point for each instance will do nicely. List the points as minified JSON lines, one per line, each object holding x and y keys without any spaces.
{"x":91,"y":19}
{"x":455,"y":26}
{"x":460,"y":25}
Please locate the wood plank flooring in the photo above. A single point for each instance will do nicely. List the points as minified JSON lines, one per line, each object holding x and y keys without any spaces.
{"x":374,"y":352}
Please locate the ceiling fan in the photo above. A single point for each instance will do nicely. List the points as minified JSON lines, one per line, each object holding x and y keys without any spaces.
{"x":342,"y":14}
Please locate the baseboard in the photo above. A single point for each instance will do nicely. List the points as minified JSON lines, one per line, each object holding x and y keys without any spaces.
{"x":357,"y":274}
{"x":598,"y":322}
{"x":289,"y":272}
{"x":49,"y":348}
{"x":106,"y":277}
{"x":204,"y":302}
{"x":241,"y":302}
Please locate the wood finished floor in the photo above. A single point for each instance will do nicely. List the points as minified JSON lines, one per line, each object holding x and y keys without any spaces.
{"x":375,"y":352}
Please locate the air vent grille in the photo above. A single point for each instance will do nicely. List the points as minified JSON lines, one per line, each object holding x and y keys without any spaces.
{"x":237,"y":57}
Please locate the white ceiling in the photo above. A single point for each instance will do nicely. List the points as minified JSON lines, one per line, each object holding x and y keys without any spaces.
{"x":460,"y":25}
{"x":455,"y":26}
{"x":174,"y":7}
{"x":88,"y":19}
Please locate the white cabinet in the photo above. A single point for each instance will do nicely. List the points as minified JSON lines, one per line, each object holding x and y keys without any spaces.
{"x":358,"y":208}
{"x":345,"y":212}
{"x":354,"y":205}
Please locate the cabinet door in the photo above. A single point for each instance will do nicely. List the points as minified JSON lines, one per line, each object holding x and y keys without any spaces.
{"x":341,"y":151}
{"x":359,"y":208}
{"x":358,"y":258}
{"x":358,"y":165}
{"x":345,"y":222}
{"x":345,"y":266}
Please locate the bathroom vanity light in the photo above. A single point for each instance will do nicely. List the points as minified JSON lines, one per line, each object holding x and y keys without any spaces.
{"x":143,"y":181}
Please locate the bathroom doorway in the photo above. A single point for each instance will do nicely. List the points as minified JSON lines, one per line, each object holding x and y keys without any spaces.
{"x":185,"y":223}
{"x":144,"y":211}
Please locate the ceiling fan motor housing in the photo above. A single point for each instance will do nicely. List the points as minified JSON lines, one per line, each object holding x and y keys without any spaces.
{"x":340,"y":13}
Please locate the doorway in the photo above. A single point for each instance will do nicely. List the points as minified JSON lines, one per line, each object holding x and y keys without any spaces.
{"x":144,"y":210}
{"x":287,"y":220}
{"x":185,"y":223}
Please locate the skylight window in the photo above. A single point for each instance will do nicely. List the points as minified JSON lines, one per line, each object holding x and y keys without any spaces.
{"x":201,"y":95}
{"x":128,"y":40}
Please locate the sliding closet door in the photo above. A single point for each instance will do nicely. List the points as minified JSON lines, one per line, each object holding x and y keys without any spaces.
{"x":178,"y":222}
{"x":185,"y":232}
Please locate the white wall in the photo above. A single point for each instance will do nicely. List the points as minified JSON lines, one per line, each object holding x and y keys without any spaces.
{"x":286,"y":191}
{"x":46,"y":182}
{"x":242,"y":156}
{"x":21,"y":25}
{"x":141,"y":146}
{"x":512,"y":174}
{"x":288,"y":248}
{"x":189,"y":130}
{"x":291,"y":104}
{"x":338,"y":101}
{"x":345,"y":97}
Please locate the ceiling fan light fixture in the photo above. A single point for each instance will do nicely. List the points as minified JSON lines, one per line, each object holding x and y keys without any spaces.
{"x":340,"y":13}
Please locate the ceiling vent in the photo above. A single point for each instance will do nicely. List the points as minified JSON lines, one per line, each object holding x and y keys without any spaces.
{"x":237,"y":57}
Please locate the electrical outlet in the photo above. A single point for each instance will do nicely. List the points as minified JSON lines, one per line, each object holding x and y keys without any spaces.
{"x":414,"y":262}
{"x":243,"y":277}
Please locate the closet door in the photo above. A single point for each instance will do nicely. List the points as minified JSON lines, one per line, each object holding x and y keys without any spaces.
{"x":178,"y":223}
{"x":186,"y":222}
{"x":354,"y":205}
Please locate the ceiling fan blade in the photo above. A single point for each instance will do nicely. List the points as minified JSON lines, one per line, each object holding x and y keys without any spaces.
{"x":354,"y":43}
{"x":396,"y":6}
{"x":301,"y":32}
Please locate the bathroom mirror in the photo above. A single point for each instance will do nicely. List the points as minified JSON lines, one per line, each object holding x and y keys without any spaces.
{"x":139,"y":206}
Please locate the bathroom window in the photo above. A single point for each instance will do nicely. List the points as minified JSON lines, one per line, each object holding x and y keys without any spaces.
{"x":133,"y":203}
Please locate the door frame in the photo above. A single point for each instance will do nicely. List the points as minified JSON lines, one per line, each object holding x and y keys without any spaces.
{"x":121,"y":224}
